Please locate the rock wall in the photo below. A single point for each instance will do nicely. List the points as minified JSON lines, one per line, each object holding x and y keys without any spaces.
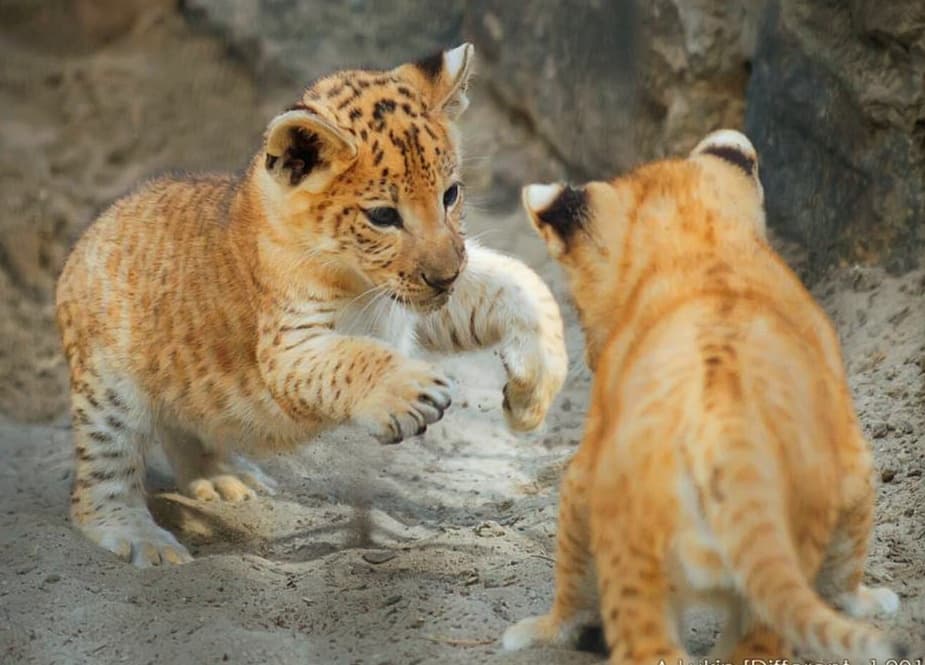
{"x":836,"y":108}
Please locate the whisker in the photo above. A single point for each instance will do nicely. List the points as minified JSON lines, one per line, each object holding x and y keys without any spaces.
{"x":374,"y":324}
{"x":482,"y":234}
{"x":366,"y":292}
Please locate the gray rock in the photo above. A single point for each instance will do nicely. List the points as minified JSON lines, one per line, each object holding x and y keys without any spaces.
{"x":568,"y":68}
{"x":301,"y":40}
{"x":836,"y":108}
{"x":610,"y":83}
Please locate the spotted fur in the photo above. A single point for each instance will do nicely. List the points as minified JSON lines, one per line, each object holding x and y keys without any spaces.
{"x":222,"y":314}
{"x":722,"y":462}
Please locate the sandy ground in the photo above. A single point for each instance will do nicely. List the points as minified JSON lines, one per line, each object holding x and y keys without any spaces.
{"x":418,"y":553}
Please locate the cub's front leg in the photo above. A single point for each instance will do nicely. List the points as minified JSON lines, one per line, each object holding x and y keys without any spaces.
{"x":500,"y":301}
{"x":320,"y":377}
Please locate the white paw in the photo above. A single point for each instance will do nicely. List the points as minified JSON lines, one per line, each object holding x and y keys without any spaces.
{"x":535,"y":376}
{"x":143,"y":543}
{"x":885,"y":600}
{"x":526,"y":633}
{"x":869,"y":602}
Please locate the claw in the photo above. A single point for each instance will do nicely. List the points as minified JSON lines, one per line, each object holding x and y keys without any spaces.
{"x":427,"y":399}
{"x":506,"y":402}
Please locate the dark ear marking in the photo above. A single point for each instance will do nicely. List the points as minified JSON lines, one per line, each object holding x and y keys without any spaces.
{"x":303,"y":154}
{"x":733,"y":156}
{"x":566,"y":214}
{"x":431,"y":65}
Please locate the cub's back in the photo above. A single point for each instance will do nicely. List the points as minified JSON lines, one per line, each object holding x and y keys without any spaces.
{"x":158,"y":281}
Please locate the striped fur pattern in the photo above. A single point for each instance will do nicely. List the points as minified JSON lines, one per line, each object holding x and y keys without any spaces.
{"x":722,"y":463}
{"x":222,"y":314}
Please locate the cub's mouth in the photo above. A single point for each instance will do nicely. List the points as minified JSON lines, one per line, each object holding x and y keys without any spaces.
{"x":423,"y":304}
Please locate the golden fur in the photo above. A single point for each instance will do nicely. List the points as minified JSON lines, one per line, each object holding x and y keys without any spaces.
{"x":250,"y":312}
{"x":722,"y":463}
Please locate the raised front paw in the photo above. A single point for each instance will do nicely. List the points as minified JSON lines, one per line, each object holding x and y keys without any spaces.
{"x":535,"y":376}
{"x":407,"y":400}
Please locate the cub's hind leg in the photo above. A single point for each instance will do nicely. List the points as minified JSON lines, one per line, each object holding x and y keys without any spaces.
{"x":208,"y":472}
{"x":840,"y":578}
{"x":640,"y":622}
{"x":108,"y":498}
{"x":575,"y":602}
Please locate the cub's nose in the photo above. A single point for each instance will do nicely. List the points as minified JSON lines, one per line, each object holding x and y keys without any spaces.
{"x":440,"y":283}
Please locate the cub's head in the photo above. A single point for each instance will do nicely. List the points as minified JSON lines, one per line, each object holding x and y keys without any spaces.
{"x":362,"y":175}
{"x":608,"y":235}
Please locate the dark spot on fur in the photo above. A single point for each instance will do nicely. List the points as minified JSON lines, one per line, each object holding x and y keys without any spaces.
{"x":114,"y":399}
{"x":733,"y":156}
{"x":299,"y":106}
{"x":356,"y":114}
{"x":629,"y":592}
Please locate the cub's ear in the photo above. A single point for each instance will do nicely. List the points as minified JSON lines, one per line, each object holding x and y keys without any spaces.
{"x":733,"y":147}
{"x":557,"y":211}
{"x":307,"y":151}
{"x":444,"y":78}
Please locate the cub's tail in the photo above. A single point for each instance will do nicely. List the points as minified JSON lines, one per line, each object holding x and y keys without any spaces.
{"x":746,"y":514}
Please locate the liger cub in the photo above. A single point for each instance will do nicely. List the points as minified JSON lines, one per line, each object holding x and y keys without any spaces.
{"x":226,"y":314}
{"x":723,"y":463}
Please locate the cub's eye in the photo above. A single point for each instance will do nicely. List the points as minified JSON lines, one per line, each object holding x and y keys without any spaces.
{"x":384,"y":216}
{"x":451,"y":195}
